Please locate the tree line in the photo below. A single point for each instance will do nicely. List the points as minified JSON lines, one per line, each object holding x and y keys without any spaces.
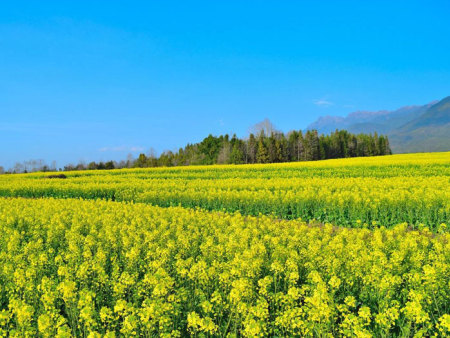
{"x":264,"y":146}
{"x":274,"y":148}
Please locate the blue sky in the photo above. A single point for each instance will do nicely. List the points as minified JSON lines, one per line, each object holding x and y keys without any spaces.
{"x":95,"y":80}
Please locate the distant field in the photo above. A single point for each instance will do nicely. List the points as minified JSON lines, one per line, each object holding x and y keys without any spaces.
{"x":358,"y":192}
{"x":222,"y":252}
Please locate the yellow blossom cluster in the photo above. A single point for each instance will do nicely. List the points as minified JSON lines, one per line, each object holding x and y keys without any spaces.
{"x":96,"y":268}
{"x":355,"y":192}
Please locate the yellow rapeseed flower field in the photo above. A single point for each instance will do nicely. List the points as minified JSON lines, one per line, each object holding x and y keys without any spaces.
{"x":356,"y":192}
{"x":349,"y":247}
{"x":73,"y":267}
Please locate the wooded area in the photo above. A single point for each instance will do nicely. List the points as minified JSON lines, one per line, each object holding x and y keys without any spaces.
{"x":263,"y":148}
{"x":264,"y":145}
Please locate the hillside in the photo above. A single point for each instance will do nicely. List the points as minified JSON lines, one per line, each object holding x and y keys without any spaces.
{"x":381,"y":121}
{"x":428,"y":132}
{"x":410,"y":128}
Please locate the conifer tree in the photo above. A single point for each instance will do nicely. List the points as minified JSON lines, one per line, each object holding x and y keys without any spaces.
{"x":262,"y":155}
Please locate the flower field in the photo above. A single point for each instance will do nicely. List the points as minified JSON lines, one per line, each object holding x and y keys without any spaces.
{"x":357,"y":192}
{"x":96,"y":267}
{"x":222,"y":251}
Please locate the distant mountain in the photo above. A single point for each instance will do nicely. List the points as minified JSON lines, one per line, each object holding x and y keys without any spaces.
{"x":410,"y":128}
{"x":365,"y":121}
{"x":428,"y":132}
{"x":437,"y":115}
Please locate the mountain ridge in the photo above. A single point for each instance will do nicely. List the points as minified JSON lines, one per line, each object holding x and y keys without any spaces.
{"x":411,"y":128}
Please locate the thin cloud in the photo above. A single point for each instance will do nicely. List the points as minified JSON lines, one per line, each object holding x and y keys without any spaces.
{"x":323,"y":103}
{"x":121,"y":149}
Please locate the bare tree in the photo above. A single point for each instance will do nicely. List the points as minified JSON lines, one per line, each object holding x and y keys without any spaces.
{"x":265,"y":127}
{"x":122,"y":164}
{"x":81,"y":165}
{"x":38,"y":165}
{"x":130,"y":160}
{"x":2,"y":170}
{"x":152,"y":153}
{"x":69,"y":167}
{"x":19,"y":168}
{"x":32,"y":165}
{"x":224,"y":154}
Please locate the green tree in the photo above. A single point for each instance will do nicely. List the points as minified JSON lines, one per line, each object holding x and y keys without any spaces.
{"x":252,"y":148}
{"x":109,"y":165}
{"x":141,"y":161}
{"x":236,"y":156}
{"x":279,"y":151}
{"x":262,"y":155}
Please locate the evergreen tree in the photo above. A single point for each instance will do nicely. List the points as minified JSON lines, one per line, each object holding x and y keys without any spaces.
{"x":292,"y":145}
{"x":252,"y":147}
{"x":312,"y":145}
{"x":351,"y":146}
{"x":262,"y":155}
{"x":300,"y":146}
{"x":237,"y":156}
{"x":279,"y":156}
{"x":141,"y":161}
{"x":109,"y":165}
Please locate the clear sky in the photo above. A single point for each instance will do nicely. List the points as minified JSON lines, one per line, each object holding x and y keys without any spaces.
{"x":95,"y":80}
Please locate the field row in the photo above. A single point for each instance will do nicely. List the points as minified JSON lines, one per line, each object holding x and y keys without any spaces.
{"x":78,"y":267}
{"x":364,"y":192}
